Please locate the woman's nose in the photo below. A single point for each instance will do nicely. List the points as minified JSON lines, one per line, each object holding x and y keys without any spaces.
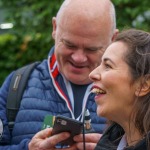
{"x":95,"y":75}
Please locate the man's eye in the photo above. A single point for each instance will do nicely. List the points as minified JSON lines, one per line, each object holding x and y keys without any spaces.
{"x":92,"y":49}
{"x":70,"y":46}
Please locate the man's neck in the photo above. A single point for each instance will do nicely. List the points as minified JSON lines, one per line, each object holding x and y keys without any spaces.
{"x":78,"y":94}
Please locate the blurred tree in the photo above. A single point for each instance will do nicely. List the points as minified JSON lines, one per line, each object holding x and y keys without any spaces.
{"x":133,"y":14}
{"x":30,"y":39}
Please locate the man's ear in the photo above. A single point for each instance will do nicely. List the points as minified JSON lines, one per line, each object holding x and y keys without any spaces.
{"x":143,"y":88}
{"x":115,"y":35}
{"x":54,"y":27}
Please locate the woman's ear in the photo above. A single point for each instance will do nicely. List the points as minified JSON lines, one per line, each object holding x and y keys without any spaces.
{"x":143,"y":88}
{"x":54,"y":27}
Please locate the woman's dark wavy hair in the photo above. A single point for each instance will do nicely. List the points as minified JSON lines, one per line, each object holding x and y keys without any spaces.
{"x":138,"y":59}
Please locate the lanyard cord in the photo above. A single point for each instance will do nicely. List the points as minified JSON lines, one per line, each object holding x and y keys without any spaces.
{"x":83,"y":135}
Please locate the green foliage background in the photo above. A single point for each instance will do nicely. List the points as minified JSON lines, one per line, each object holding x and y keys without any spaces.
{"x":31,"y":40}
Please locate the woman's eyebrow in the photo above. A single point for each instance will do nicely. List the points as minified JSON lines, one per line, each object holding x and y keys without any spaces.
{"x":108,"y":60}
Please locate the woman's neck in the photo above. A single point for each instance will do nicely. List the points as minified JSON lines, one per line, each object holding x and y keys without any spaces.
{"x":133,"y":136}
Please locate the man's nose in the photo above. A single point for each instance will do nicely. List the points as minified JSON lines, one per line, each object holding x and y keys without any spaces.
{"x":79,"y":56}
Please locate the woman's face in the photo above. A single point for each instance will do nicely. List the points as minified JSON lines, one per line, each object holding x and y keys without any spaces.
{"x":113,"y":85}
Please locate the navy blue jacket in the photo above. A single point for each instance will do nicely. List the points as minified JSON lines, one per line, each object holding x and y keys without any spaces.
{"x":46,"y":93}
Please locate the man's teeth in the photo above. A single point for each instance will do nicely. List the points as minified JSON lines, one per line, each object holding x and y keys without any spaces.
{"x":97,"y":91}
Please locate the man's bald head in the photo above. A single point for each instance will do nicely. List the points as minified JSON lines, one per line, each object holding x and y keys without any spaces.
{"x":100,"y":11}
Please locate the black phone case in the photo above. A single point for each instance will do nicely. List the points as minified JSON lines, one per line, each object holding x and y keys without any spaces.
{"x":64,"y":124}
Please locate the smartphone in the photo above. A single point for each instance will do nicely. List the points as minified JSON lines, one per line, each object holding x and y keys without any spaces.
{"x":65,"y":124}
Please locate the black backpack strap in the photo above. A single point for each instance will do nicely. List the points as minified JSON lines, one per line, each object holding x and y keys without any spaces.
{"x":16,"y":89}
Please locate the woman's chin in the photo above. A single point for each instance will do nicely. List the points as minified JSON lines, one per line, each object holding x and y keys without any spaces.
{"x":101,"y":113}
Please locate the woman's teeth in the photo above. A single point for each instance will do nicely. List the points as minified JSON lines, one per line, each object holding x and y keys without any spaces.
{"x":97,"y":91}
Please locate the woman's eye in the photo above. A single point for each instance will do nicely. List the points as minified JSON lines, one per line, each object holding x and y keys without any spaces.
{"x":107,"y":66}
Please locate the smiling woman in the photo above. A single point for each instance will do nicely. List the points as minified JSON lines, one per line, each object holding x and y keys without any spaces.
{"x":122,"y":88}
